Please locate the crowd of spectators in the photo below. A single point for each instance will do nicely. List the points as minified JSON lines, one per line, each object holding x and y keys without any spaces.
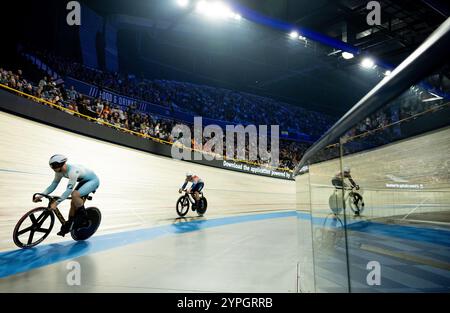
{"x":128,"y":118}
{"x":383,"y":127}
{"x":206,"y":101}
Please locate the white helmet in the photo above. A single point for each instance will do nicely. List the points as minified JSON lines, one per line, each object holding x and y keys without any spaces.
{"x":346,"y":169}
{"x":57,"y":161}
{"x":189,"y":174}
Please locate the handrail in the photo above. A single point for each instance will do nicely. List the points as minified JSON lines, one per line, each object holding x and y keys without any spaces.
{"x":431,"y":54}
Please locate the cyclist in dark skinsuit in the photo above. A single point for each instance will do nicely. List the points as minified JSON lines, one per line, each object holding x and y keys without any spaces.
{"x":197,"y":186}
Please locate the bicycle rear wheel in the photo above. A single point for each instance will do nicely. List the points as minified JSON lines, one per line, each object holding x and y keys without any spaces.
{"x":203,"y":205}
{"x":37,"y":221}
{"x":90,"y":225}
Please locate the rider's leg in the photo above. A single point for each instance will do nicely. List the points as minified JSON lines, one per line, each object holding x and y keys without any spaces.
{"x":77,"y":202}
{"x":196,"y":197}
{"x":352,"y":197}
{"x":357,"y":198}
{"x":360,"y":203}
{"x":360,"y":198}
{"x":198,"y":188}
{"x":79,"y":196}
{"x":82,"y":190}
{"x":74,"y":205}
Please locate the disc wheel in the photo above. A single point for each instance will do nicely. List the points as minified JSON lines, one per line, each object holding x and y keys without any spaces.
{"x":89,"y":226}
{"x":335,"y":203}
{"x":33,"y":227}
{"x":203,"y":205}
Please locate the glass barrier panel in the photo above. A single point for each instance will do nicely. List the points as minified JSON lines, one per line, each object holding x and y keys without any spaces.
{"x":328,"y":220}
{"x":397,"y":168}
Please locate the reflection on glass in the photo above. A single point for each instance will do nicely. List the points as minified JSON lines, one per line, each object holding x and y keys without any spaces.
{"x":379,"y":201}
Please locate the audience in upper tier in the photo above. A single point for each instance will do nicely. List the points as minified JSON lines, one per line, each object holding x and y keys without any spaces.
{"x":216,"y":103}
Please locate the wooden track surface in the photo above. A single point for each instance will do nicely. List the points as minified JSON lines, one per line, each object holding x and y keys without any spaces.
{"x":137,"y":189}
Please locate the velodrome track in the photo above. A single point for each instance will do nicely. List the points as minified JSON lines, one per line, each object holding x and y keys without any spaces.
{"x":137,"y":198}
{"x":142,"y":246}
{"x":137,"y":189}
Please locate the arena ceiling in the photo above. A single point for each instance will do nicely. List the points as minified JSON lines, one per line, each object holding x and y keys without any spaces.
{"x":256,"y":55}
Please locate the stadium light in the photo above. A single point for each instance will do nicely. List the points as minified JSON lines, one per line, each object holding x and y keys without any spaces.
{"x":216,"y":9}
{"x":367,"y":63}
{"x":183,"y":3}
{"x":387,"y":73}
{"x":294,"y":34}
{"x":347,"y":55}
{"x":201,"y":6}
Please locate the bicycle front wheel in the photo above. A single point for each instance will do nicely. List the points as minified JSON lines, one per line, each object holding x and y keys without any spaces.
{"x":182,"y":206}
{"x":356,"y":206}
{"x":33,"y":227}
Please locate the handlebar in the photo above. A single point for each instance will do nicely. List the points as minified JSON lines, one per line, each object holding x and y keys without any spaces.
{"x":42,"y":195}
{"x":53,"y":198}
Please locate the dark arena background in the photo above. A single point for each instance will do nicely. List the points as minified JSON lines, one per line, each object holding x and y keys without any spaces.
{"x":359,"y":200}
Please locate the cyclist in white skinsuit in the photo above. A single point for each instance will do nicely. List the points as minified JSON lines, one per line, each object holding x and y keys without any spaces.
{"x":87,"y":182}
